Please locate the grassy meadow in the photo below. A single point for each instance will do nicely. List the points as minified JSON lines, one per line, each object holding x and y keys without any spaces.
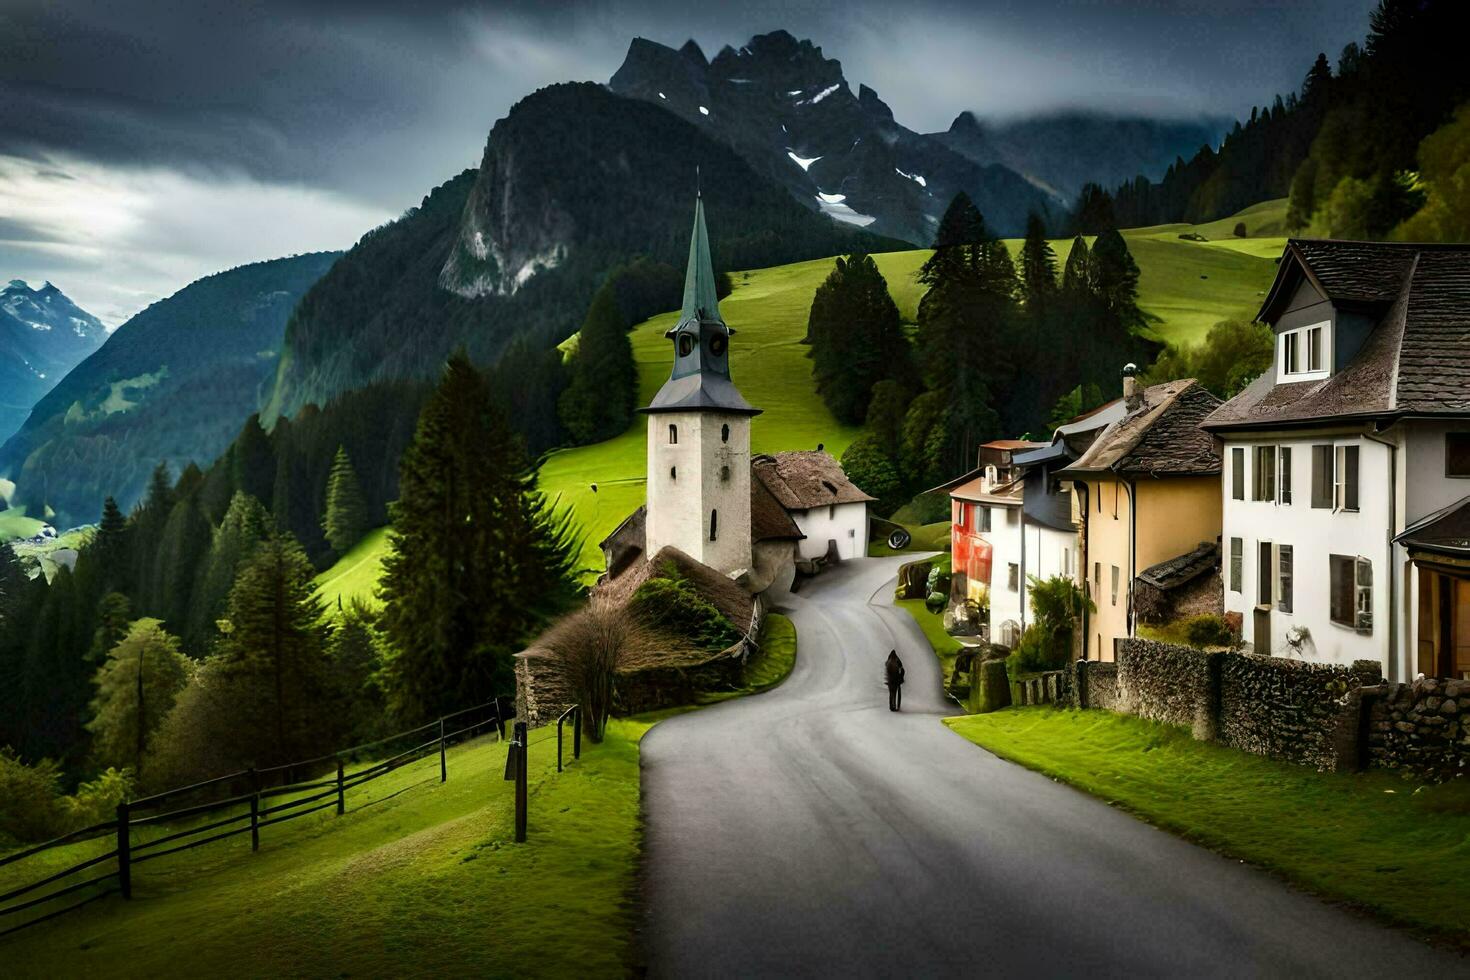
{"x":1185,"y":287}
{"x":1373,"y":840}
{"x":416,"y":879}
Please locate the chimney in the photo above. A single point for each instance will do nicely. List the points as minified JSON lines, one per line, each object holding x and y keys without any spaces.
{"x":1132,"y":394}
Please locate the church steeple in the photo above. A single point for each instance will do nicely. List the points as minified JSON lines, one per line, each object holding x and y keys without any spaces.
{"x":700,"y":379}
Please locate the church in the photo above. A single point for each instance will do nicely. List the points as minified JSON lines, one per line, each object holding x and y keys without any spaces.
{"x":756,"y":520}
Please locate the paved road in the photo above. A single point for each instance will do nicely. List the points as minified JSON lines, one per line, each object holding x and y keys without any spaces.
{"x":809,"y":831}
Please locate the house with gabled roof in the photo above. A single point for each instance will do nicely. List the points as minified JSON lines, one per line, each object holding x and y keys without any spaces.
{"x":1347,"y":463}
{"x":1147,"y":489}
{"x":1011,"y":522}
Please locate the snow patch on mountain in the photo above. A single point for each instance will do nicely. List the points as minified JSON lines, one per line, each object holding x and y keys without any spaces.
{"x":840,"y":211}
{"x":804,"y":163}
{"x":914,"y":177}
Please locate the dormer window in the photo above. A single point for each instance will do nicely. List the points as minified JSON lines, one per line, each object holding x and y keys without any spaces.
{"x":1302,"y":353}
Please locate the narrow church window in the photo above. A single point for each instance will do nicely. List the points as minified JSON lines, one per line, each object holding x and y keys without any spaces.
{"x":673,"y":472}
{"x":724,"y":474}
{"x":714,"y":517}
{"x":673,"y":434}
{"x":724,"y":433}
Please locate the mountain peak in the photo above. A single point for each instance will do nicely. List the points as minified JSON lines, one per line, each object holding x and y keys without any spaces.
{"x":17,"y":284}
{"x":692,"y":51}
{"x":965,"y":122}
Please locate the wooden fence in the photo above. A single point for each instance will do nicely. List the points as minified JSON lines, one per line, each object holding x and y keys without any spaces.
{"x":248,"y":788}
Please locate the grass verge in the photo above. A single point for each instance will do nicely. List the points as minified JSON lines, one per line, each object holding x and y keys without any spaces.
{"x":1371,"y":840}
{"x":946,"y":647}
{"x":772,"y":663}
{"x":417,"y":879}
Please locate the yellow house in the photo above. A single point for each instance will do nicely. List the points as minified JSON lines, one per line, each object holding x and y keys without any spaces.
{"x":1146,"y":490}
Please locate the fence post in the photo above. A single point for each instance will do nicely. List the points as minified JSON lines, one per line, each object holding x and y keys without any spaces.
{"x":341,"y":793}
{"x":443,"y":762}
{"x":520,"y":738}
{"x":577,"y":735}
{"x":124,"y":852}
{"x":499,"y":721}
{"x":254,"y":810}
{"x":558,"y":741}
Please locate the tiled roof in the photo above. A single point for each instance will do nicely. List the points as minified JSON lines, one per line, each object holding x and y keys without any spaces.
{"x":1183,"y":569}
{"x":1415,"y":360}
{"x":769,"y":521}
{"x":806,"y":479}
{"x":1160,"y":438}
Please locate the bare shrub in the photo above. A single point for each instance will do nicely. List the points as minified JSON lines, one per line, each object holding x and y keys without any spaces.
{"x":585,"y":650}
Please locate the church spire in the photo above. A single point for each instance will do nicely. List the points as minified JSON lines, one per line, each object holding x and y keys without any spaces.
{"x":701,"y":302}
{"x":700,"y":379}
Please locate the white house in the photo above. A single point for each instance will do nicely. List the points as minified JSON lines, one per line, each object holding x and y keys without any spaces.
{"x":1011,"y":522}
{"x":830,"y":511}
{"x":1346,"y":462}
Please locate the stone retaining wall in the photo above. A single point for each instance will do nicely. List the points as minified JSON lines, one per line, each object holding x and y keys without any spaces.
{"x":1289,"y":709}
{"x":1423,"y":727}
{"x":1168,"y":683}
{"x":1271,"y":706}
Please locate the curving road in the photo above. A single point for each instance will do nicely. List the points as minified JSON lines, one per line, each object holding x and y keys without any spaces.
{"x":809,"y":831}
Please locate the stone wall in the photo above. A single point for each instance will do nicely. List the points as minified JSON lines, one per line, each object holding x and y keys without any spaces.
{"x":1289,"y":709}
{"x":1423,"y":727}
{"x":1168,"y":683}
{"x":1286,"y":709}
{"x":1101,"y":690}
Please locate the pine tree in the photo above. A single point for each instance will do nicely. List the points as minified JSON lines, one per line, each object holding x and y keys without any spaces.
{"x":1038,"y":266}
{"x":182,"y":550}
{"x":1093,"y":212}
{"x":253,"y":462}
{"x":346,"y":518}
{"x":273,"y":646}
{"x":599,"y":400}
{"x":856,"y":337}
{"x":476,"y":558}
{"x":967,"y":331}
{"x":1115,"y":280}
{"x":245,"y":525}
{"x":136,"y":688}
{"x":114,"y":616}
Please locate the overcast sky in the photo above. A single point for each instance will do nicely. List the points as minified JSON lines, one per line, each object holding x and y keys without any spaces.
{"x":145,"y":144}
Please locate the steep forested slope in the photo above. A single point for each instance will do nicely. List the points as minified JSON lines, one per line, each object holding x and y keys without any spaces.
{"x":574,"y":181}
{"x":171,"y":385}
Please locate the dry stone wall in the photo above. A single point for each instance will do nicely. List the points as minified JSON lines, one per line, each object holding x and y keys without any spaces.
{"x":1286,"y":709}
{"x":1423,"y":727}
{"x":1289,"y":709}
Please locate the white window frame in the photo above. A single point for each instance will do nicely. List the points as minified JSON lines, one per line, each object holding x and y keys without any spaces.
{"x":1294,"y":349}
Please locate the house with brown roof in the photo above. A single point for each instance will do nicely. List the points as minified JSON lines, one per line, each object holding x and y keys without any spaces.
{"x":1146,"y":490}
{"x":815,"y":494}
{"x":1011,"y":522}
{"x":1347,"y":464}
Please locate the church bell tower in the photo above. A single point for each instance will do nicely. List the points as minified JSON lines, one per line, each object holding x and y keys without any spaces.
{"x":699,"y":432}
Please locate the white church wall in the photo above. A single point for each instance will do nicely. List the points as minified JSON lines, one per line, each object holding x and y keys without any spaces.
{"x":703,"y":468}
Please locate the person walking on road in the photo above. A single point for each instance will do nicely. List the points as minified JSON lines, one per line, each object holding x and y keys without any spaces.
{"x":893,"y":675}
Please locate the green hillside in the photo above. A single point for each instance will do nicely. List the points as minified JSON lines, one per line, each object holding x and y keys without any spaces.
{"x":1185,"y":287}
{"x":416,"y":879}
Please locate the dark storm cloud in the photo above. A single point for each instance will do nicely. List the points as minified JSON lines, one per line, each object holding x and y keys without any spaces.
{"x":145,"y":143}
{"x":382,"y":100}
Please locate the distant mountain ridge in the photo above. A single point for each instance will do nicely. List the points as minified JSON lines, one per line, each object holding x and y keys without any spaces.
{"x":790,"y":113}
{"x":1062,"y":151}
{"x":173,"y":384}
{"x":574,"y":181}
{"x":43,"y":334}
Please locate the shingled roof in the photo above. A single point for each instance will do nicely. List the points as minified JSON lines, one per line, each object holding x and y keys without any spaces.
{"x":1415,"y":360}
{"x":1183,"y":569}
{"x":721,"y":591}
{"x":1159,"y":438}
{"x":806,"y":479}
